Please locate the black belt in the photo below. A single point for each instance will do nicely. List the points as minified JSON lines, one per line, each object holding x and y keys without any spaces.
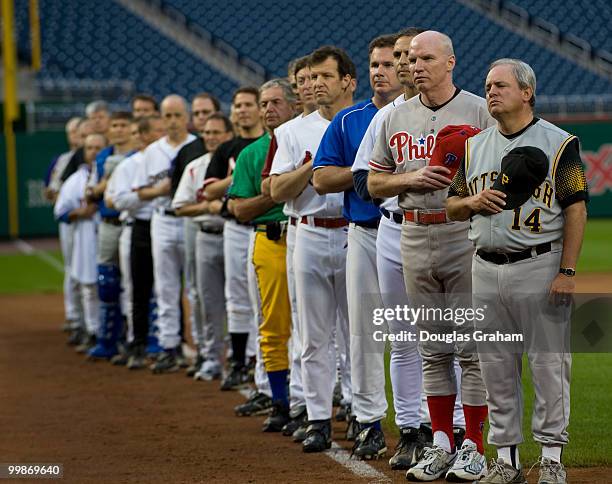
{"x":170,"y":212}
{"x":112,"y":221}
{"x":143,"y":222}
{"x":368,"y":224}
{"x":501,"y":258}
{"x":396,"y":217}
{"x":211,"y":230}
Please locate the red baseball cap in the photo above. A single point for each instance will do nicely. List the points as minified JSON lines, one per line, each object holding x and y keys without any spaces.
{"x":449,"y":149}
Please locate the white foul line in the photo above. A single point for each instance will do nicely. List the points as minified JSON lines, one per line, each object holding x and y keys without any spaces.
{"x":27,"y":249}
{"x":358,"y":467}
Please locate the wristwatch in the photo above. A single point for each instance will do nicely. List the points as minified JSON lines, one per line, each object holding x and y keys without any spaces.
{"x":567,"y":271}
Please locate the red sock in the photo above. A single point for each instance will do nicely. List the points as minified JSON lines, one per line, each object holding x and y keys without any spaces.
{"x":475,"y":417}
{"x":441,"y":413}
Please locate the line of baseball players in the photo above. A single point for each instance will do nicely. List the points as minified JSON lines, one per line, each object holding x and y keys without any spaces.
{"x":296,"y":220}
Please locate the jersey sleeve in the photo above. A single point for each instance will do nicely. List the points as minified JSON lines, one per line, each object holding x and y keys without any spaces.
{"x":381,"y":159}
{"x":265,"y":172}
{"x":330,"y":149}
{"x":185,"y":191}
{"x":242,"y":179}
{"x":570,"y":180}
{"x":141,"y":178}
{"x":284,"y":159}
{"x":364,"y":152}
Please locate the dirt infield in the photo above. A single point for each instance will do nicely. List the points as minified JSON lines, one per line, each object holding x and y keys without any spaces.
{"x":107,"y":424}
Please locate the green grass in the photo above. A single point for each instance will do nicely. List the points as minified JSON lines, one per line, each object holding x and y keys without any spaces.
{"x":596,"y":255}
{"x":20,"y":273}
{"x":590,"y":424}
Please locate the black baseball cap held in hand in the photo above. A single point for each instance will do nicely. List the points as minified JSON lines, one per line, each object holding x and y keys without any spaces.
{"x":522,"y":171}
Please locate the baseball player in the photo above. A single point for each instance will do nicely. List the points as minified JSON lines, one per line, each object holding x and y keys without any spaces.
{"x":143,"y":106}
{"x":150,"y":129}
{"x":319,"y":254}
{"x":436,"y":254}
{"x":72,"y":208}
{"x":242,"y":321}
{"x":296,"y":427}
{"x":523,"y":188}
{"x":109,"y":231}
{"x":332,"y":174}
{"x":53,"y":185}
{"x":277,"y":105}
{"x":189,"y":202}
{"x":202,"y":106}
{"x":153,"y":183}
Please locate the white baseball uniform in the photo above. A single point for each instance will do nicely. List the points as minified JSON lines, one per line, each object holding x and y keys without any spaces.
{"x":167,"y":239}
{"x":320,"y":269}
{"x":208,"y":263}
{"x":83,"y":265}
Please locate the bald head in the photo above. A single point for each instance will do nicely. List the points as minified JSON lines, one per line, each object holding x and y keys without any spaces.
{"x":435,"y":40}
{"x":94,"y":143}
{"x":432,"y":61}
{"x":175,"y":114}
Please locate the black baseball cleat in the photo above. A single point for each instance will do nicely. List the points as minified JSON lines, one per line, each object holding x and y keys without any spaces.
{"x":369,"y":444}
{"x":137,"y":359}
{"x":318,"y":436}
{"x":195,"y":366}
{"x":277,"y":419}
{"x":409,"y":449}
{"x":257,"y":404}
{"x":352,"y":429}
{"x":166,"y":363}
{"x":300,"y":433}
{"x":76,"y":336}
{"x":458,"y":435}
{"x":235,"y":379}
{"x":297,"y":418}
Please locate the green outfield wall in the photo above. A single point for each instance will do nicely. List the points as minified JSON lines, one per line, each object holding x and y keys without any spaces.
{"x":35,"y":152}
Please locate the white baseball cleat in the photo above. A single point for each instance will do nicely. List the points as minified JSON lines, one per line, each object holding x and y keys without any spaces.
{"x":469,"y":466}
{"x":209,"y":371}
{"x":434,"y":464}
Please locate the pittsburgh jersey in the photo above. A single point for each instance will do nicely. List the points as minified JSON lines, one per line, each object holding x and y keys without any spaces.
{"x":407,"y":138}
{"x":540,"y":219}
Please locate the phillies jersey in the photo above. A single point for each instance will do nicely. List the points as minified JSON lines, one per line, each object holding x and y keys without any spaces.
{"x":408,"y":134}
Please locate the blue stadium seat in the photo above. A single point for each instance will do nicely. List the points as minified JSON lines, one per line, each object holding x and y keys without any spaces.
{"x":272,"y":32}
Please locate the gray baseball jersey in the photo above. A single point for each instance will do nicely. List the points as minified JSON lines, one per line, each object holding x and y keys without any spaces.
{"x":408,"y":135}
{"x":539,"y":219}
{"x":516,"y":294}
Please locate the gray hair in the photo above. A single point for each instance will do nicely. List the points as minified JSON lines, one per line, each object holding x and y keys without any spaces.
{"x":73,"y":123}
{"x":284,"y":85}
{"x":95,"y":107}
{"x":523,"y":73}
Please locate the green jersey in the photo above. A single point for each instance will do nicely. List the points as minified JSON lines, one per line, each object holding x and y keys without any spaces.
{"x":246,"y":181}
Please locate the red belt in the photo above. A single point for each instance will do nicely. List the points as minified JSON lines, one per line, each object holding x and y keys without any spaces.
{"x":326,"y":223}
{"x":292,"y":221}
{"x":426,"y":218}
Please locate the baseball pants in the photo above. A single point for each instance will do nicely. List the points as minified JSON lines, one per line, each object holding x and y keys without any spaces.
{"x":270,"y":262}
{"x":342,"y":355}
{"x":91,"y":306}
{"x":108,"y":243}
{"x":168,"y":256}
{"x":437,"y":262}
{"x":262,"y":383}
{"x":320,"y":281}
{"x":125,"y":241}
{"x":236,"y":237}
{"x":296,"y":389}
{"x":516,"y":300}
{"x":195,"y":313}
{"x":141,"y":266}
{"x":210,"y":285}
{"x":72,"y":298}
{"x":367,"y":355}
